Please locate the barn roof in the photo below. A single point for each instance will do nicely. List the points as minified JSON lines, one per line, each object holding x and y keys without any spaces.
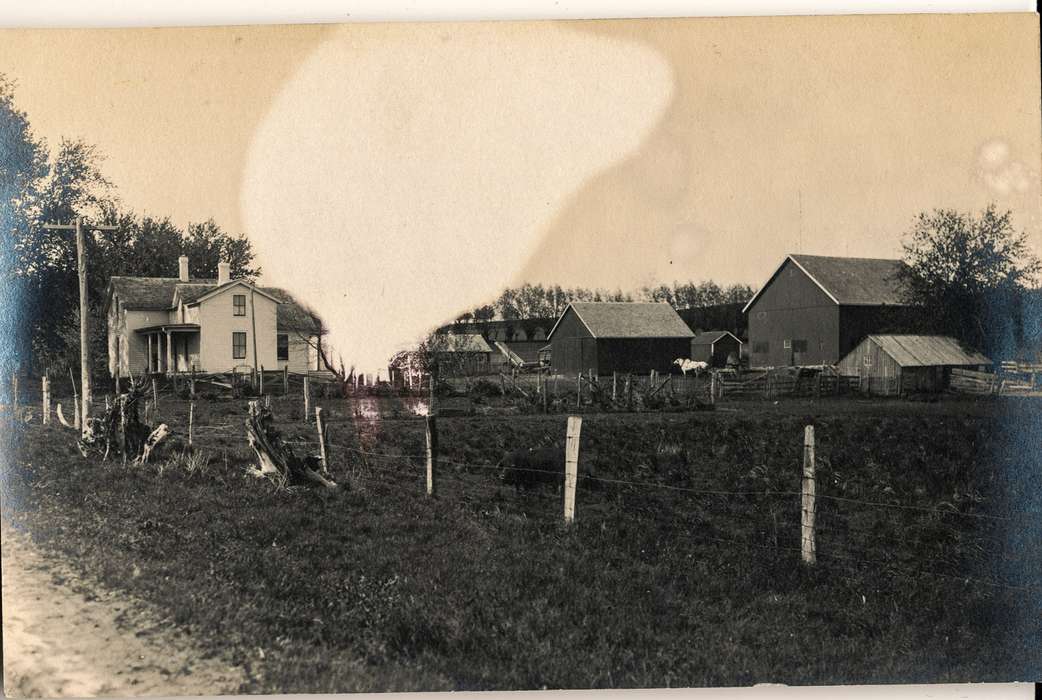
{"x":710,"y":337}
{"x":628,"y":319}
{"x":848,"y":281}
{"x":462,"y":342}
{"x":927,"y":351}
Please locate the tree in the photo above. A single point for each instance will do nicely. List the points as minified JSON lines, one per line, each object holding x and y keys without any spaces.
{"x":23,"y":165}
{"x":966,"y":275}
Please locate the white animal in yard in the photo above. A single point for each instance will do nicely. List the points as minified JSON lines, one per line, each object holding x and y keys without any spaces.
{"x":686,"y":366}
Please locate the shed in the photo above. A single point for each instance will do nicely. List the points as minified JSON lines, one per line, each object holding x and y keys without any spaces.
{"x":715,"y":347}
{"x":897,"y":364}
{"x":614,"y":336}
{"x":461,"y":354}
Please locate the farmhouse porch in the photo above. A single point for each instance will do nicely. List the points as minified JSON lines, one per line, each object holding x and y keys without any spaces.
{"x":170,"y":347}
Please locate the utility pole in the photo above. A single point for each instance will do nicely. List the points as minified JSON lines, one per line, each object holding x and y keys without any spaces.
{"x":81,"y":265}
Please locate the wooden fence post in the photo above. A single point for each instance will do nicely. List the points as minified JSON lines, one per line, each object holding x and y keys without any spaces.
{"x":14,"y":394}
{"x":46,"y":400}
{"x":261,"y":381}
{"x":191,"y":421}
{"x":712,"y":388}
{"x":432,"y":453}
{"x":614,"y":385}
{"x":155,"y":395}
{"x":578,"y":389}
{"x":321,"y":439}
{"x":808,"y":548}
{"x":307,"y":397}
{"x":571,"y":467}
{"x":192,"y":388}
{"x":285,"y":380}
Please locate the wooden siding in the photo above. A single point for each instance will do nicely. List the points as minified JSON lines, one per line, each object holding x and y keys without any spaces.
{"x":640,"y":355}
{"x":716,"y":353}
{"x":218,"y":322}
{"x":793,"y":308}
{"x":301,"y":356}
{"x":573,"y":348}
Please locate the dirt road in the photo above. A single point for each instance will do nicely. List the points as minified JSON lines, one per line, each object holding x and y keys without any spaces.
{"x":66,"y":637}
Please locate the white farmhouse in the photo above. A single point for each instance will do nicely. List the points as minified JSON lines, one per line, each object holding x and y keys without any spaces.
{"x":180,"y":324}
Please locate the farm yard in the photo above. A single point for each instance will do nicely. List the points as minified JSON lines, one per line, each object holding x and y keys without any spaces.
{"x":682,"y":568}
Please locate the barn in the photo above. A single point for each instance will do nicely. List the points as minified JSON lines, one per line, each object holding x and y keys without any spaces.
{"x":891,"y":365}
{"x":814,"y":309}
{"x":609,"y":336}
{"x":715,"y":347}
{"x":459,"y":354}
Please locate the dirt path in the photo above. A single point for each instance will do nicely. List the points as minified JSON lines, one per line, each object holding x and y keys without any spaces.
{"x":66,"y":637}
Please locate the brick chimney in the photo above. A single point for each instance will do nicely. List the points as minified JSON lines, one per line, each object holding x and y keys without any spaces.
{"x":182,"y":268}
{"x":224,"y":273}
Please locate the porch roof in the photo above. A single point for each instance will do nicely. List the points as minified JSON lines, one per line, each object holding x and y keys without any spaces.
{"x":171,"y":327}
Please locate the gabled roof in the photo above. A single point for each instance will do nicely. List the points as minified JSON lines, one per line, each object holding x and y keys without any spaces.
{"x":143,"y":293}
{"x":189,"y":292}
{"x":710,"y":337}
{"x":927,"y":351}
{"x":461,"y":342}
{"x":291,"y":315}
{"x":161,"y":294}
{"x":220,"y":289}
{"x":848,"y":281}
{"x":628,"y":319}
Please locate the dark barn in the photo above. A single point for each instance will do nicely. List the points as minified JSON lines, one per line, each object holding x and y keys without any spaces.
{"x":609,"y":336}
{"x":716,"y":348}
{"x":891,"y":365}
{"x":814,"y":309}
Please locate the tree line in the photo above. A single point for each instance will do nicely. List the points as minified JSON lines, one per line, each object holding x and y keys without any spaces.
{"x":539,"y":301}
{"x":41,"y":323}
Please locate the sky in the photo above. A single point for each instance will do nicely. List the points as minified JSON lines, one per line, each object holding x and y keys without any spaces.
{"x":393,"y":175}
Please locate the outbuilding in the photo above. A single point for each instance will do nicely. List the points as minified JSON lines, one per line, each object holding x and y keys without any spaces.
{"x":458,"y":354}
{"x":814,"y":309}
{"x":891,"y":365}
{"x":610,"y":336}
{"x":716,"y":348}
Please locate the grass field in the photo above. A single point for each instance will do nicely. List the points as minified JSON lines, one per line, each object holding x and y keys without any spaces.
{"x":929,"y":566}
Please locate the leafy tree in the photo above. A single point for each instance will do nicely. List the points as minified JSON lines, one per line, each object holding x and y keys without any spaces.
{"x":23,"y":165}
{"x":966,"y":276}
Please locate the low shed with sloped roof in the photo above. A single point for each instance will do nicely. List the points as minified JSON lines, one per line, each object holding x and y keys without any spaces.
{"x":607,"y":337}
{"x":716,"y":348}
{"x":890,"y":365}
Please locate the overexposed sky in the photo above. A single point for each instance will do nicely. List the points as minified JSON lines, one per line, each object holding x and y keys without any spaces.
{"x":395,"y":174}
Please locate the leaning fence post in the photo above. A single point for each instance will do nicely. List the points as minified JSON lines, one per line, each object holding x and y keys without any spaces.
{"x":321,"y":439}
{"x":571,"y":466}
{"x":46,"y":400}
{"x":809,"y":549}
{"x":307,"y":396}
{"x":155,"y":395}
{"x":432,"y":453}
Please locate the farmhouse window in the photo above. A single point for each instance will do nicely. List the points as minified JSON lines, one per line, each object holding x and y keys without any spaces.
{"x":282,"y":345}
{"x":239,"y":304}
{"x":761,"y":348}
{"x":799,"y":346}
{"x":238,"y":346}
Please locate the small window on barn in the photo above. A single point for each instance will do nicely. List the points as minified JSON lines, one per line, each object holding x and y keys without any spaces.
{"x":761,"y":348}
{"x":868,"y":360}
{"x":238,"y":346}
{"x":786,"y":343}
{"x":282,"y":346}
{"x":799,"y":346}
{"x":239,"y":304}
